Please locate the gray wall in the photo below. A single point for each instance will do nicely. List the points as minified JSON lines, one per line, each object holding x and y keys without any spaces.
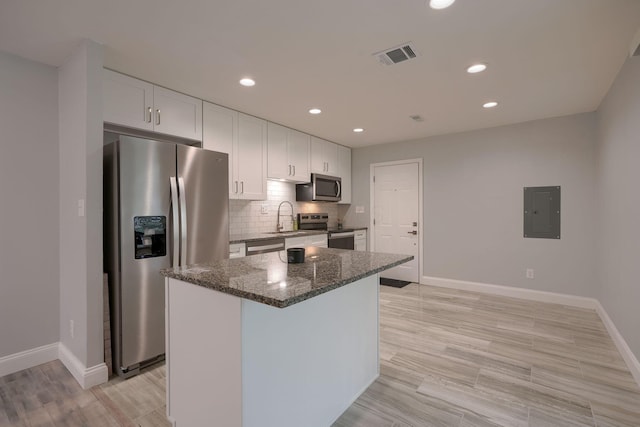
{"x":80,"y":110}
{"x":29,"y":283}
{"x":473,"y":197}
{"x":618,"y":173}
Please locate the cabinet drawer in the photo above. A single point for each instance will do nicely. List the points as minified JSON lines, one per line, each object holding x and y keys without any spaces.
{"x":237,"y":250}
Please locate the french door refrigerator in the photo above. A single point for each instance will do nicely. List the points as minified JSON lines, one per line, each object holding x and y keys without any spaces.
{"x":165,"y":205}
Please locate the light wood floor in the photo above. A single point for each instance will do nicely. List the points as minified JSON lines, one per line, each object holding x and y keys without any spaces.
{"x":448,"y":358}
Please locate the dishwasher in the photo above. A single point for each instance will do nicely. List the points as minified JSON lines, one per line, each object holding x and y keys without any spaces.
{"x":264,"y":246}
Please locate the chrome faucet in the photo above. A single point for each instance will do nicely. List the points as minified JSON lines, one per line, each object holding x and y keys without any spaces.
{"x":279,"y":226}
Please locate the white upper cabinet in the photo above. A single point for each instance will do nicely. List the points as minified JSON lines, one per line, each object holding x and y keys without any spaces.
{"x":287,"y":153}
{"x":220,"y":133}
{"x":298,"y":151}
{"x":127,"y":101}
{"x":177,"y":114}
{"x":324,"y":157}
{"x":344,"y":172}
{"x":244,"y":139}
{"x":138,"y":104}
{"x":251,"y":157}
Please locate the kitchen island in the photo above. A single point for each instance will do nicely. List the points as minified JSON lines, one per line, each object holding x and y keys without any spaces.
{"x":258,"y":342}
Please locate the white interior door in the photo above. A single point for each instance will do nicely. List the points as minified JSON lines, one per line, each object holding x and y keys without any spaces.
{"x":396,"y":212}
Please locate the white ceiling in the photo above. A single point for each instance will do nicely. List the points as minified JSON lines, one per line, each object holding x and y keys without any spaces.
{"x":546,"y":57}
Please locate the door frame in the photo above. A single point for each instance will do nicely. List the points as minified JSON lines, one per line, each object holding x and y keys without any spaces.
{"x":372,"y":167}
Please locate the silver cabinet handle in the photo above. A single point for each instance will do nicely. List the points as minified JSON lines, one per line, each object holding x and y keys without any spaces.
{"x":158,"y":116}
{"x":236,"y":190}
{"x":148,"y":115}
{"x":294,"y":170}
{"x":183,"y":221}
{"x":289,"y":170}
{"x":176,"y":224}
{"x":241,"y":187}
{"x":414,"y":232}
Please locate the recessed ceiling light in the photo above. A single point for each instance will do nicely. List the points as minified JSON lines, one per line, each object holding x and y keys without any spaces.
{"x":358,"y":130}
{"x":247,"y":82}
{"x":490,"y":104}
{"x":476,"y":68}
{"x":315,"y":111}
{"x":440,"y":4}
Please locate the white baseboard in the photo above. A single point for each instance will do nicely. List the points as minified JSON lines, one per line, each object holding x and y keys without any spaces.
{"x":86,"y":377}
{"x":529,"y":294}
{"x":509,"y":291}
{"x":28,"y":359}
{"x":630,"y":359}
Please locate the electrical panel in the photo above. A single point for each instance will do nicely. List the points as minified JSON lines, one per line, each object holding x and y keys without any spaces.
{"x":542,"y":212}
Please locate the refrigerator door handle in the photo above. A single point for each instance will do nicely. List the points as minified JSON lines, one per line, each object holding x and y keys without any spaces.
{"x":176,"y":219}
{"x":183,"y":222}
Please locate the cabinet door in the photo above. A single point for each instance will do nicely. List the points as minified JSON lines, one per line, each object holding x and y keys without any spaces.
{"x":344,"y":172}
{"x":220,"y":133}
{"x":295,"y":242}
{"x":317,"y":159}
{"x":127,"y":101}
{"x":360,"y":240}
{"x":177,"y":114}
{"x":324,"y":157}
{"x":298,"y":154}
{"x":319,"y":240}
{"x":278,"y":166}
{"x":251,"y":154}
{"x":237,"y":250}
{"x":331,"y":155}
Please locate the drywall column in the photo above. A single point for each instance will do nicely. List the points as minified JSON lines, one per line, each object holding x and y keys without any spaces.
{"x":80,"y":134}
{"x":29,"y":287}
{"x":618,"y":174}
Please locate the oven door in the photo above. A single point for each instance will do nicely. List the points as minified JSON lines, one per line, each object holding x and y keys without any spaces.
{"x":341,"y":240}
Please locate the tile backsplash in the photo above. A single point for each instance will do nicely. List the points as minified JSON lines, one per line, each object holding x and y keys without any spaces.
{"x":245,"y":216}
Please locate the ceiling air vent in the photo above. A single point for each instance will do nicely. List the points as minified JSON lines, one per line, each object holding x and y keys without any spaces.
{"x":397,"y":54}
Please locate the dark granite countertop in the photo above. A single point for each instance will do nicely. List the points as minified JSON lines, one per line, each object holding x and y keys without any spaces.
{"x":345,"y":229}
{"x":252,"y":237}
{"x":268,"y":279}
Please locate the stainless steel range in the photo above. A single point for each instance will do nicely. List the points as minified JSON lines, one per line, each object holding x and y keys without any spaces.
{"x":342,"y":238}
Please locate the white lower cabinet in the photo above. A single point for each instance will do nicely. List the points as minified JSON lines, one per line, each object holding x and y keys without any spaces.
{"x":360,"y":240}
{"x":319,"y":240}
{"x":237,"y":250}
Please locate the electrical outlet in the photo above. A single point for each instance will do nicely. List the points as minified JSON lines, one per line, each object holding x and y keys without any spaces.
{"x":264,"y":209}
{"x":72,"y":329}
{"x":529,"y":273}
{"x":359,"y":209}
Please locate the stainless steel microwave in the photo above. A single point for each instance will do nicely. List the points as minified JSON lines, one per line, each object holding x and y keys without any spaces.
{"x":322,"y":188}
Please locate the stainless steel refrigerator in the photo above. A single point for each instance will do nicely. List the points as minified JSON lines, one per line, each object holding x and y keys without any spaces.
{"x":165,"y":205}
